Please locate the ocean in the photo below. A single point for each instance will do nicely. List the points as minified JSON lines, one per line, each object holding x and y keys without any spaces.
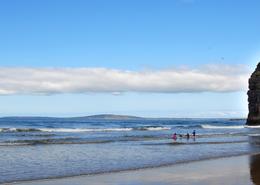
{"x":38,"y":148}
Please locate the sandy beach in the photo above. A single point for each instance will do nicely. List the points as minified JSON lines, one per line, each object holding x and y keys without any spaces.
{"x":129,"y":92}
{"x":238,"y":170}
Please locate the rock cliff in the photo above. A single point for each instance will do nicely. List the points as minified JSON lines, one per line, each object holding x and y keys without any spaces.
{"x":254,"y":98}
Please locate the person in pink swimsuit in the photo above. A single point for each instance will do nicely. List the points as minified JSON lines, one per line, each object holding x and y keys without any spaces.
{"x":174,"y":136}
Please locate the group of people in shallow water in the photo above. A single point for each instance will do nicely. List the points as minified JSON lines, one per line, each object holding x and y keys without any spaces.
{"x":174,"y":136}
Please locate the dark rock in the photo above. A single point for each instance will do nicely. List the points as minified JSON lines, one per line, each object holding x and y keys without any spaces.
{"x":254,"y":98}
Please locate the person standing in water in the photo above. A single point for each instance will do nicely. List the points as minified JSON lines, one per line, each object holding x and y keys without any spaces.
{"x":188,"y":136}
{"x":174,"y":136}
{"x":194,"y":133}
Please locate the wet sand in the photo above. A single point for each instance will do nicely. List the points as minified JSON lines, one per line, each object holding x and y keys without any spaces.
{"x":239,"y":170}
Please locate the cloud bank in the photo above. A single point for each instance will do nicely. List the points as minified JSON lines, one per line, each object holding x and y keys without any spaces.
{"x":47,"y":81}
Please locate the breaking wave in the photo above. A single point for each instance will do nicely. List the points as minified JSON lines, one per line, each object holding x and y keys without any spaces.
{"x":148,"y":128}
{"x":126,"y":129}
{"x":152,"y":128}
{"x":247,"y":126}
{"x":19,"y":130}
{"x":206,"y":126}
{"x":84,"y":129}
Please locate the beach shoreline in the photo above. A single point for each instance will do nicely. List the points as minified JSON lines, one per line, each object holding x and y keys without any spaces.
{"x":239,"y":170}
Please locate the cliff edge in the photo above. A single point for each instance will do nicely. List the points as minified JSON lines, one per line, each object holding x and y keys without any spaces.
{"x":254,"y":98}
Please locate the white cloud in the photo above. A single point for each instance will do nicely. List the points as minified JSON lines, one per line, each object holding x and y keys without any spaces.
{"x":210,"y":78}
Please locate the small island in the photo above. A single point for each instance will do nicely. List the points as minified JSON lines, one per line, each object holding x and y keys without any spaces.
{"x":111,"y":117}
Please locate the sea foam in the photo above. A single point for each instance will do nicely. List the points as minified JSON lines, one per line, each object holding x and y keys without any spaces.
{"x":206,"y":126}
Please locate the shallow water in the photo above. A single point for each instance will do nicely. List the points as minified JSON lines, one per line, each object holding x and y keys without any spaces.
{"x":35,"y":148}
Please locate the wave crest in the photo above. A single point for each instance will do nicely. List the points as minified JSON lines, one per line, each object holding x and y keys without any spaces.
{"x":207,"y":126}
{"x":149,"y":128}
{"x":247,"y":126}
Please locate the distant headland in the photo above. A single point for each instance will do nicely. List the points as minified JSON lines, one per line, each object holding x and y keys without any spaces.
{"x":111,"y":116}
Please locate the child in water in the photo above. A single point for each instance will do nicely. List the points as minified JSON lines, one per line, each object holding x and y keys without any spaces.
{"x":174,"y":136}
{"x":188,"y":136}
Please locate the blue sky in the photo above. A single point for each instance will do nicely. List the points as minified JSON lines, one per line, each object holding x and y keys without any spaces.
{"x":128,"y":36}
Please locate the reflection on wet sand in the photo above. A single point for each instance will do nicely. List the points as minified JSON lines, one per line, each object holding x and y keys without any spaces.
{"x":255,"y":169}
{"x":255,"y":160}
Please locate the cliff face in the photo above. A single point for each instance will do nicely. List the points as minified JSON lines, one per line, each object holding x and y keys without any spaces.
{"x":254,"y":98}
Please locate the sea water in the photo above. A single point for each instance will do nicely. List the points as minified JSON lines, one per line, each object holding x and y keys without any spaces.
{"x":37,"y":148}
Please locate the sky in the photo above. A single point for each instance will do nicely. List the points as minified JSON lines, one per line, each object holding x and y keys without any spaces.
{"x":152,"y":58}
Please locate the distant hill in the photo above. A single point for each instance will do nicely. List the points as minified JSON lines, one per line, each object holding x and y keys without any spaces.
{"x":110,"y":116}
